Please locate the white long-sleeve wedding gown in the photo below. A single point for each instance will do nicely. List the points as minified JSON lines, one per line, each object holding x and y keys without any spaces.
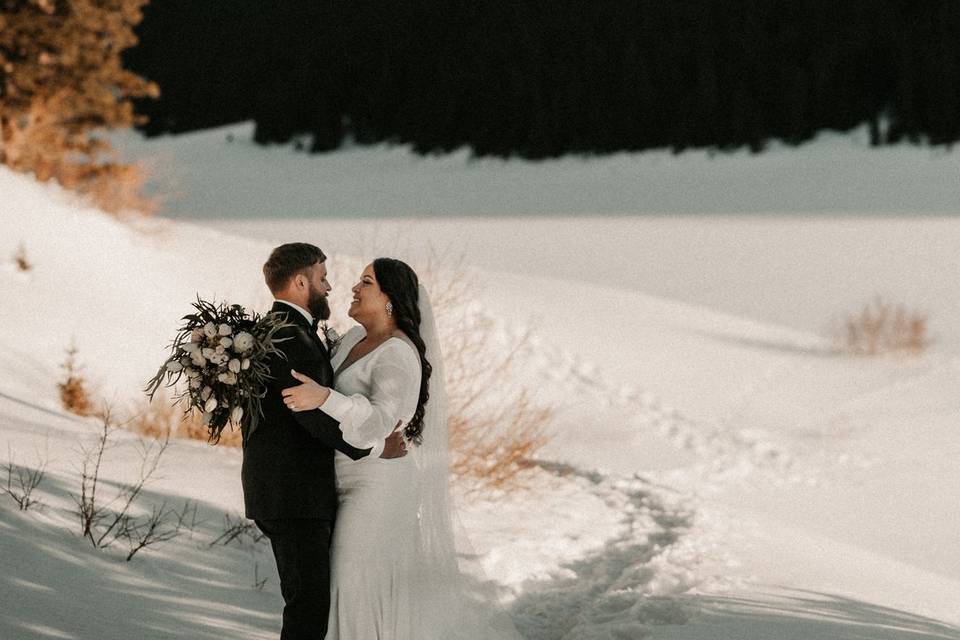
{"x":394,"y":568}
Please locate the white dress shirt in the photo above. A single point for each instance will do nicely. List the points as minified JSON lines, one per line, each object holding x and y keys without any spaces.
{"x":306,"y":314}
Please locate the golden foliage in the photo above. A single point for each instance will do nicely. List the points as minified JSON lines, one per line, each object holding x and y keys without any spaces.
{"x":74,"y":395}
{"x":882,"y":327}
{"x":495,"y":431}
{"x":492,"y":450}
{"x":162,"y":416}
{"x":20,"y":259}
{"x":62,"y":82}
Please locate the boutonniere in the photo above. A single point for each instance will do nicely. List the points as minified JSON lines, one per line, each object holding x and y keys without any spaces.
{"x":331,"y":337}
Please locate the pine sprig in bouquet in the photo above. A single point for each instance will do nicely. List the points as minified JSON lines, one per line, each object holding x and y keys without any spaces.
{"x":223,"y":351}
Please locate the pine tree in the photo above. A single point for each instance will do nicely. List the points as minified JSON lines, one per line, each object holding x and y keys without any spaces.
{"x":62,"y":85}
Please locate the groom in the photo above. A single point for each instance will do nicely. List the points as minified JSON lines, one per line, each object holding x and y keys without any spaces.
{"x":289,"y":486}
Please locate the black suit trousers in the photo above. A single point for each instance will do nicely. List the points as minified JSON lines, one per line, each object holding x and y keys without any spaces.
{"x":302,"y":551}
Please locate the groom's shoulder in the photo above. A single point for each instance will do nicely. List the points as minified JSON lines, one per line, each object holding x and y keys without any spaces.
{"x":291,"y":337}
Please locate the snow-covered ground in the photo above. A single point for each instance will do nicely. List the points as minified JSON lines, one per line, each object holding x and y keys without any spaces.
{"x":714,"y":471}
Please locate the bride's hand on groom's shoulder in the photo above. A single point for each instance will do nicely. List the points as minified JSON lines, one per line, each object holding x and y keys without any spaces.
{"x":306,"y":396}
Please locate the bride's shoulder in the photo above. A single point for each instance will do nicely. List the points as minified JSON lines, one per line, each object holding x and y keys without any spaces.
{"x":402,"y":348}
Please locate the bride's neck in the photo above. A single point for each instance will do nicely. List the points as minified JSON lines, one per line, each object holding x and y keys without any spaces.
{"x":379,"y":329}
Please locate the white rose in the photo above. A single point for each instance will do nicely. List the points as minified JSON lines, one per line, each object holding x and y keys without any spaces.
{"x":206,"y":393}
{"x":198,"y":360}
{"x":245,"y":364}
{"x":174,"y":367}
{"x":219,"y":350}
{"x":243,"y":341}
{"x":235,"y":365}
{"x":226,"y":343}
{"x":195,"y":383}
{"x":192,"y":373}
{"x":236,"y":414}
{"x":210,"y":405}
{"x":208,"y":353}
{"x":228,"y":378}
{"x":210,"y":329}
{"x":225,"y":330}
{"x":190,"y":347}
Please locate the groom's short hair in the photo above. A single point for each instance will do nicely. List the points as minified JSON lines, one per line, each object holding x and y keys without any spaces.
{"x":288,"y":260}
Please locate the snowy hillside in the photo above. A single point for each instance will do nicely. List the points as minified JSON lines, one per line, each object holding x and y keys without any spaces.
{"x":710,"y":475}
{"x":116,"y":291}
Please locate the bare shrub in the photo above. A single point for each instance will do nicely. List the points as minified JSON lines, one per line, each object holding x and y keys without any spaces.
{"x":490,"y":451}
{"x":881,"y":327}
{"x":495,"y":431}
{"x":162,"y":525}
{"x":23,"y":481}
{"x":449,"y":286}
{"x":74,"y":395}
{"x":104,"y":521}
{"x":238,"y":530}
{"x":161,"y":417}
{"x":20,"y":259}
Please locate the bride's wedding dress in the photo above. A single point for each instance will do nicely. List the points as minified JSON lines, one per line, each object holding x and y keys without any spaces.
{"x":394,"y":569}
{"x":373,"y":550}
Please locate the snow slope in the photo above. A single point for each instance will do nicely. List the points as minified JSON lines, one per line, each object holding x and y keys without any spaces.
{"x":711,"y":474}
{"x":116,"y":290}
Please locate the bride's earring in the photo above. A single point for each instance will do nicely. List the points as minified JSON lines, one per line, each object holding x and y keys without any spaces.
{"x":389,"y":308}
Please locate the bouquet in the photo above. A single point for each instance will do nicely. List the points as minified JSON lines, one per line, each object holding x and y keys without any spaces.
{"x":223,"y":352}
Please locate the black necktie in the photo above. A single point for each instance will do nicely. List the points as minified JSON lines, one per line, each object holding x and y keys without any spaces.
{"x":315,"y":324}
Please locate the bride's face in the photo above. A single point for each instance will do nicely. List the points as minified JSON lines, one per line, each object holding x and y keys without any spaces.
{"x":369,"y":301}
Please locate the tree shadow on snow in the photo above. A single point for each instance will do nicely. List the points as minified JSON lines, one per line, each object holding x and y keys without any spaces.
{"x":54,"y":584}
{"x":792,"y":614}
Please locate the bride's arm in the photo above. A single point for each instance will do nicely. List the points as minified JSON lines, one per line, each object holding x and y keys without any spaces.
{"x":394,"y":385}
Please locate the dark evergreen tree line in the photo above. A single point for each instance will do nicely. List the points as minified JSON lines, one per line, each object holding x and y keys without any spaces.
{"x":546,"y":77}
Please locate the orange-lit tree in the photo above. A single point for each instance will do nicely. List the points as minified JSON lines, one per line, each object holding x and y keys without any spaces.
{"x":62,"y":86}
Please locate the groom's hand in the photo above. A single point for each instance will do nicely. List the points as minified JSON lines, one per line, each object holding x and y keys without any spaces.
{"x":394,"y":446}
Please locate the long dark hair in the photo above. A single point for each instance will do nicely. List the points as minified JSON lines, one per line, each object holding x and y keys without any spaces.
{"x":400,"y":283}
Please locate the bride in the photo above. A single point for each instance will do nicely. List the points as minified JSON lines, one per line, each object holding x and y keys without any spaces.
{"x":394,"y":569}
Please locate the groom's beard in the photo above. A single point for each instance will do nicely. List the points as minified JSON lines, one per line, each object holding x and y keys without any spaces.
{"x":317,"y":305}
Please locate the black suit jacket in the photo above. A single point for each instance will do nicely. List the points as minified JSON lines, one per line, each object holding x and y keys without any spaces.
{"x":288,"y":469}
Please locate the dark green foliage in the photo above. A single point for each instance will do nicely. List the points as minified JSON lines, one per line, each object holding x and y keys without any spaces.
{"x":541,"y":78}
